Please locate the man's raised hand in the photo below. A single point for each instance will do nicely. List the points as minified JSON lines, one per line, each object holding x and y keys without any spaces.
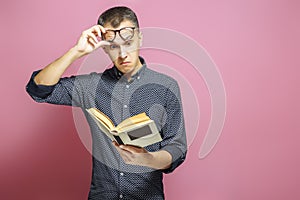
{"x":90,"y":40}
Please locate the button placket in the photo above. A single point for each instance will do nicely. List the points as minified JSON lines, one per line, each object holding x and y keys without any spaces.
{"x":126,"y":98}
{"x":122,"y":186}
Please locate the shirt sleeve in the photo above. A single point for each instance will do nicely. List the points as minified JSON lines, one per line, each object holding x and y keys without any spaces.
{"x":174,"y":135}
{"x":38,"y":91}
{"x":62,"y":93}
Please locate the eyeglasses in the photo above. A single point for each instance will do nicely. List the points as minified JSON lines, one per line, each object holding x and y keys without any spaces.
{"x":125,"y":33}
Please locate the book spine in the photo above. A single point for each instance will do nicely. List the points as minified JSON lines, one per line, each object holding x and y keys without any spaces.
{"x":118,"y":139}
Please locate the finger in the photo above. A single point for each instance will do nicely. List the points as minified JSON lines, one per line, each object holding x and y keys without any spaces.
{"x":124,"y":148}
{"x":90,"y":33}
{"x":115,"y":144}
{"x":93,"y":36}
{"x":97,"y":29}
{"x":126,"y":155}
{"x":92,"y":42}
{"x":131,"y":149}
{"x":119,"y":149}
{"x":86,"y":37}
{"x":102,"y":43}
{"x":102,"y":29}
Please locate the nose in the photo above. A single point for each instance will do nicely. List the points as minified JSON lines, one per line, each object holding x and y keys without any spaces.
{"x":123,"y":52}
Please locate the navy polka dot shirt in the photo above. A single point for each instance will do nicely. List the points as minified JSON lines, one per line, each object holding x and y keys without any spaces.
{"x":119,"y":98}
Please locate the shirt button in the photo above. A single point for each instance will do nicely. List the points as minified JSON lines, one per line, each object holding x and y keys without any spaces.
{"x":127,"y":86}
{"x":121,"y":196}
{"x":138,"y":77}
{"x":125,"y":106}
{"x":122,"y":174}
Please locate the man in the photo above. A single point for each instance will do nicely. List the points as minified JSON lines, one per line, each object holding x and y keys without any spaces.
{"x":126,"y":89}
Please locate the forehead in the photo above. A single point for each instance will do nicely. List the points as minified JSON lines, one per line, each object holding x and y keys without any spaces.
{"x":124,"y":23}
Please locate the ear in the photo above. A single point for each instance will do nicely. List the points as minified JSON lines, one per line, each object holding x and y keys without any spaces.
{"x":141,"y":38}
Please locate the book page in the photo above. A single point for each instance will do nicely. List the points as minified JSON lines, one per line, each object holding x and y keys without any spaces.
{"x":133,"y":126}
{"x":104,"y":129}
{"x":104,"y":119}
{"x":142,"y":117}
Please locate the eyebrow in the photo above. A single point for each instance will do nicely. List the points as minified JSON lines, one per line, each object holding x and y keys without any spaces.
{"x":109,"y":29}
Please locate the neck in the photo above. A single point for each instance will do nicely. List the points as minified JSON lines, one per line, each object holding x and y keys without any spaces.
{"x":133,"y":72}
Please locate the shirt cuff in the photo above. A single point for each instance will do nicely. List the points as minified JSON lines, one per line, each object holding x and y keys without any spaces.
{"x":177,"y":158}
{"x":40,"y":91}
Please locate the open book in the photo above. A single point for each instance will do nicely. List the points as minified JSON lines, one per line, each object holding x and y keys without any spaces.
{"x":138,"y":130}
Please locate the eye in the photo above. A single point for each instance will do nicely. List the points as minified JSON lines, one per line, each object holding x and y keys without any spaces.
{"x":113,"y":46}
{"x":128,"y":43}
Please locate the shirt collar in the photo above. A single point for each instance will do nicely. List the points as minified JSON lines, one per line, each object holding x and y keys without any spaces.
{"x":118,"y":74}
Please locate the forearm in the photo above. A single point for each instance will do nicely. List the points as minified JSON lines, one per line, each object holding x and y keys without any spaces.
{"x":86,"y":44}
{"x":160,"y":160}
{"x":51,"y":74}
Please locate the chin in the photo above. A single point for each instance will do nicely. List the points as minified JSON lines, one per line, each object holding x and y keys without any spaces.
{"x":126,"y":69}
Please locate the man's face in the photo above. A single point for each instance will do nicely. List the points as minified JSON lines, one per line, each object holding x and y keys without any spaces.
{"x":124,"y":52}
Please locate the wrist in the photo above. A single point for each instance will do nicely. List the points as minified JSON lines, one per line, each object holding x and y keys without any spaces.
{"x":75,"y":53}
{"x":161,"y":159}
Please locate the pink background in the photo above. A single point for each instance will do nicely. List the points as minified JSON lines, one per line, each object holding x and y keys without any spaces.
{"x":256,"y":46}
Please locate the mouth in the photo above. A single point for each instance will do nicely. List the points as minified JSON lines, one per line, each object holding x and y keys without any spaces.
{"x":125,"y":63}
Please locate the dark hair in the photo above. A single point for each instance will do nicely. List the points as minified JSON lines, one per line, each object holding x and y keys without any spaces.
{"x":116,"y":15}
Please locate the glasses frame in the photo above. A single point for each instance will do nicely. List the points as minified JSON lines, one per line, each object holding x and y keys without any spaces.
{"x":118,"y":31}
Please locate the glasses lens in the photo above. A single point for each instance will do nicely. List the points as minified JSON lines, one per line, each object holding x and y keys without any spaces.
{"x":126,"y":33}
{"x":109,"y":35}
